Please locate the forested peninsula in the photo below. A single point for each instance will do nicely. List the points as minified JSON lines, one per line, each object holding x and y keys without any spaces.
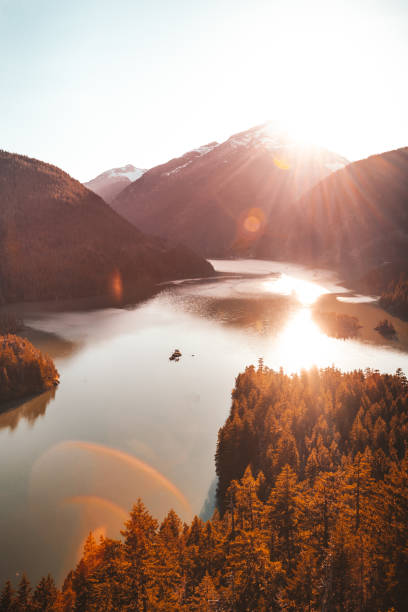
{"x":312,"y":511}
{"x":24,"y":370}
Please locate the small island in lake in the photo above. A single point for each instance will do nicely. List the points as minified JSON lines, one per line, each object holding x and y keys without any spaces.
{"x":175,"y":356}
{"x":24,"y":370}
{"x":385,"y":328}
{"x":337,"y":325}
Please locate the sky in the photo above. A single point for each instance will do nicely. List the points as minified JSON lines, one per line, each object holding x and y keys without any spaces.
{"x":90,"y":85}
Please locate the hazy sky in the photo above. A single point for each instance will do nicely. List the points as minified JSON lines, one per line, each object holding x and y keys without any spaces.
{"x":93,"y":84}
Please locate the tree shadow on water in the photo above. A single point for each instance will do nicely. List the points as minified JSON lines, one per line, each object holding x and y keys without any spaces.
{"x":26,"y":409}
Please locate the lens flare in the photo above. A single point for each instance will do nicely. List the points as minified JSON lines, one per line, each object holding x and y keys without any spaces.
{"x":253,"y":220}
{"x":281,"y":163}
{"x":252,"y":224}
{"x":134,"y":463}
{"x":116,"y":285}
{"x":100,"y":502}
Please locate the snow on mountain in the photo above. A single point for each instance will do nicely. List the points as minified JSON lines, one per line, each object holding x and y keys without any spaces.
{"x":111,"y":182}
{"x":128,"y":171}
{"x":206,"y":148}
{"x":273,"y":136}
{"x":268,"y":135}
{"x":192,"y":155}
{"x":179,"y":168}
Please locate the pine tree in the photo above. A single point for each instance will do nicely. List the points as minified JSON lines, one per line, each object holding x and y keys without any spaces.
{"x":281,"y":516}
{"x":166,"y":582}
{"x":6,"y":598}
{"x":301,"y":591}
{"x":66,"y":598}
{"x":110,"y":577}
{"x":45,"y":595}
{"x":255,"y":577}
{"x":212,"y":548}
{"x":22,"y":602}
{"x":205,"y":598}
{"x":337,"y":591}
{"x":82,"y":586}
{"x":140,"y":535}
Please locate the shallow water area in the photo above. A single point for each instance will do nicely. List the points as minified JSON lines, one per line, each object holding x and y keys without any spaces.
{"x":126,"y":422}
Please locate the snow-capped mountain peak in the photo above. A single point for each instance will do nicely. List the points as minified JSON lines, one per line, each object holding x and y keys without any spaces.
{"x":270,"y":135}
{"x":273,"y":136}
{"x":128,"y":171}
{"x":111,"y":182}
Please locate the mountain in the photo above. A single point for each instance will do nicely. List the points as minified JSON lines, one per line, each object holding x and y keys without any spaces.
{"x":356,"y":218}
{"x":60,"y":240}
{"x":110,"y":183}
{"x":219,"y":198}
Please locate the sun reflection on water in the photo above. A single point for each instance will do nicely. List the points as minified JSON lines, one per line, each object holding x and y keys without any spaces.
{"x":301,"y":344}
{"x":304,"y":291}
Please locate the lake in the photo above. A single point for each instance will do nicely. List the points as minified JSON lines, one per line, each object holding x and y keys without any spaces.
{"x":126,"y":422}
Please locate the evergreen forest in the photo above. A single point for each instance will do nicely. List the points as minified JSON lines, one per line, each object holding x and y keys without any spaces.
{"x":24,"y":370}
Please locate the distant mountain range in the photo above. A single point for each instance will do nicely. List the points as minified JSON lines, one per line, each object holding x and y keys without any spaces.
{"x":60,"y":240}
{"x":220,"y":198}
{"x":110,"y":183}
{"x":260,"y":193}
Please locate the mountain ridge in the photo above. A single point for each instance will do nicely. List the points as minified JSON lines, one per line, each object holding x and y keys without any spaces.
{"x":206,"y":194}
{"x":60,"y":240}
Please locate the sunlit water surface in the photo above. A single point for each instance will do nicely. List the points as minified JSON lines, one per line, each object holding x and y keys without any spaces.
{"x":126,"y":422}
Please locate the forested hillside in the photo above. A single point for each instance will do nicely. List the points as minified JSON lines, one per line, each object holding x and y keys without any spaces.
{"x":24,"y":370}
{"x":395,"y":297}
{"x":356,"y":218}
{"x":390,"y":281}
{"x":313,"y":508}
{"x":60,"y":240}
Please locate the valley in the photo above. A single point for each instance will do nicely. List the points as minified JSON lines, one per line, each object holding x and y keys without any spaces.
{"x":203,"y":306}
{"x":109,"y":410}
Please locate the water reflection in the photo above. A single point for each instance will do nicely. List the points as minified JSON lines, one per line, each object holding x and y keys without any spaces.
{"x":369,"y":314}
{"x":305,"y":292}
{"x":301,"y":344}
{"x":261,"y":316}
{"x":28,"y":410}
{"x":51,"y":343}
